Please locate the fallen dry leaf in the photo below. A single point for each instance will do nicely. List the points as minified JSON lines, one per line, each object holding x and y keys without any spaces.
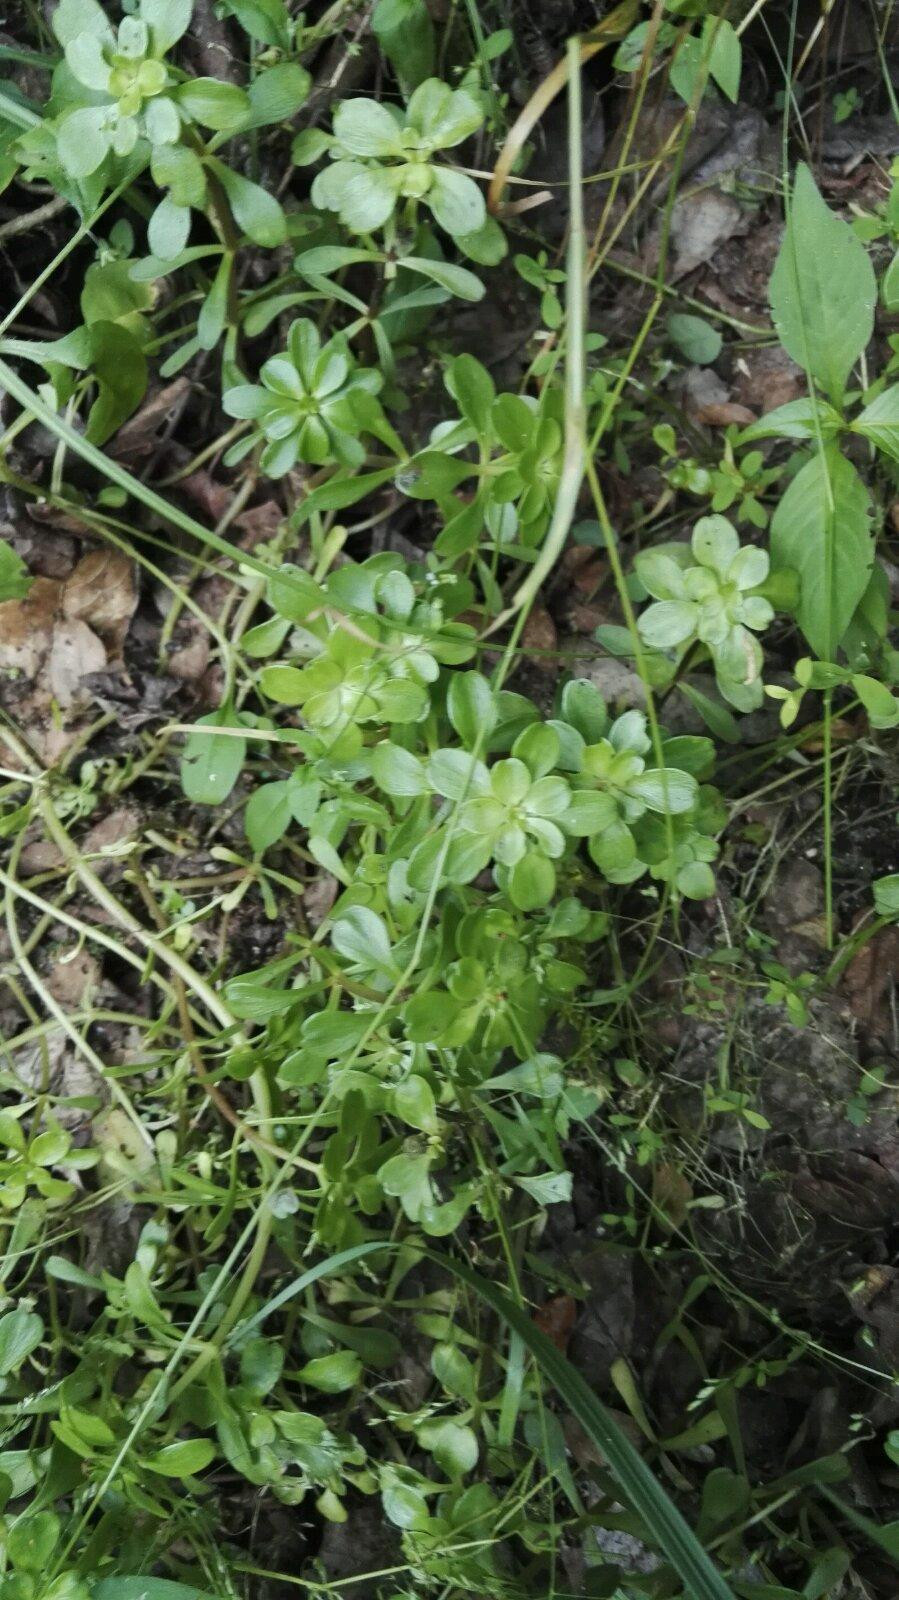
{"x":26,"y":628}
{"x":539,"y":640}
{"x":75,"y":651}
{"x":699,"y":224}
{"x":671,"y":1193}
{"x":138,"y":436}
{"x":73,"y":978}
{"x":190,"y":660}
{"x":259,"y":523}
{"x":99,"y":841}
{"x":102,"y":592}
{"x":869,"y":982}
{"x":724,"y":414}
{"x":319,"y":897}
{"x":556,"y":1318}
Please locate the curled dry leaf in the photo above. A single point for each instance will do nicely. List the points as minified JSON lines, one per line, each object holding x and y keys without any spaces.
{"x":539,"y":641}
{"x":556,"y":1318}
{"x":102,"y":592}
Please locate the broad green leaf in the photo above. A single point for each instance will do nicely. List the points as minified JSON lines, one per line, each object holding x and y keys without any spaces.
{"x":268,"y":814}
{"x":724,"y":53}
{"x":471,"y":707}
{"x":822,"y":289}
{"x":413,"y":1101}
{"x":879,"y":422}
{"x":532,"y":882}
{"x":798,"y":419}
{"x":361,"y":935}
{"x":822,"y":529}
{"x":265,"y":20}
{"x":15,"y":579}
{"x":31,"y":1540}
{"x":181,"y":1459}
{"x":212,"y":762}
{"x":473,"y":389}
{"x":146,"y":1588}
{"x":453,"y":1446}
{"x":257,"y":213}
{"x":332,"y":1374}
{"x":397,"y":771}
{"x":20,"y":1333}
{"x":457,"y":280}
{"x":886,"y":896}
{"x":880,"y":703}
{"x":169,"y":229}
{"x":277,"y":94}
{"x":217,"y":105}
{"x":695,"y":337}
{"x":120,"y":368}
{"x":405,"y":33}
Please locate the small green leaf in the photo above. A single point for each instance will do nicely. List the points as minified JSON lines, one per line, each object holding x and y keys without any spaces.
{"x":471,"y":707}
{"x":277,"y":94}
{"x":413,"y":1102}
{"x":213,"y":316}
{"x":15,"y":579}
{"x":880,"y":703}
{"x":257,"y":213}
{"x":212,"y":762}
{"x":268,"y":814}
{"x":405,"y":33}
{"x":332,"y":1374}
{"x":886,"y":896}
{"x":32,"y":1539}
{"x":217,"y":105}
{"x":695,"y":338}
{"x":181,"y":1459}
{"x":721,"y":43}
{"x":397,"y":771}
{"x":20,"y":1332}
{"x":879,"y":422}
{"x":457,"y":280}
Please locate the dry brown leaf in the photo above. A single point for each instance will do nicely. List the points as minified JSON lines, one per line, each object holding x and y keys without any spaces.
{"x":723,"y":415}
{"x":699,"y":224}
{"x":26,"y":629}
{"x":869,"y":980}
{"x":75,"y":651}
{"x":319,"y":897}
{"x":259,"y":523}
{"x":556,"y":1318}
{"x":539,"y":640}
{"x":190,"y":660}
{"x":73,"y":979}
{"x":102,"y":592}
{"x":138,"y":436}
{"x":671,"y":1193}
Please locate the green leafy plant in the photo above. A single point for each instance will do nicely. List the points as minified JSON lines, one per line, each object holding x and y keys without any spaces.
{"x":304,"y":405}
{"x":382,"y":159}
{"x":714,"y":603}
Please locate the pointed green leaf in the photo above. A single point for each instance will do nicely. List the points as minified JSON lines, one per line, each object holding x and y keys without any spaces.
{"x":822,"y":290}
